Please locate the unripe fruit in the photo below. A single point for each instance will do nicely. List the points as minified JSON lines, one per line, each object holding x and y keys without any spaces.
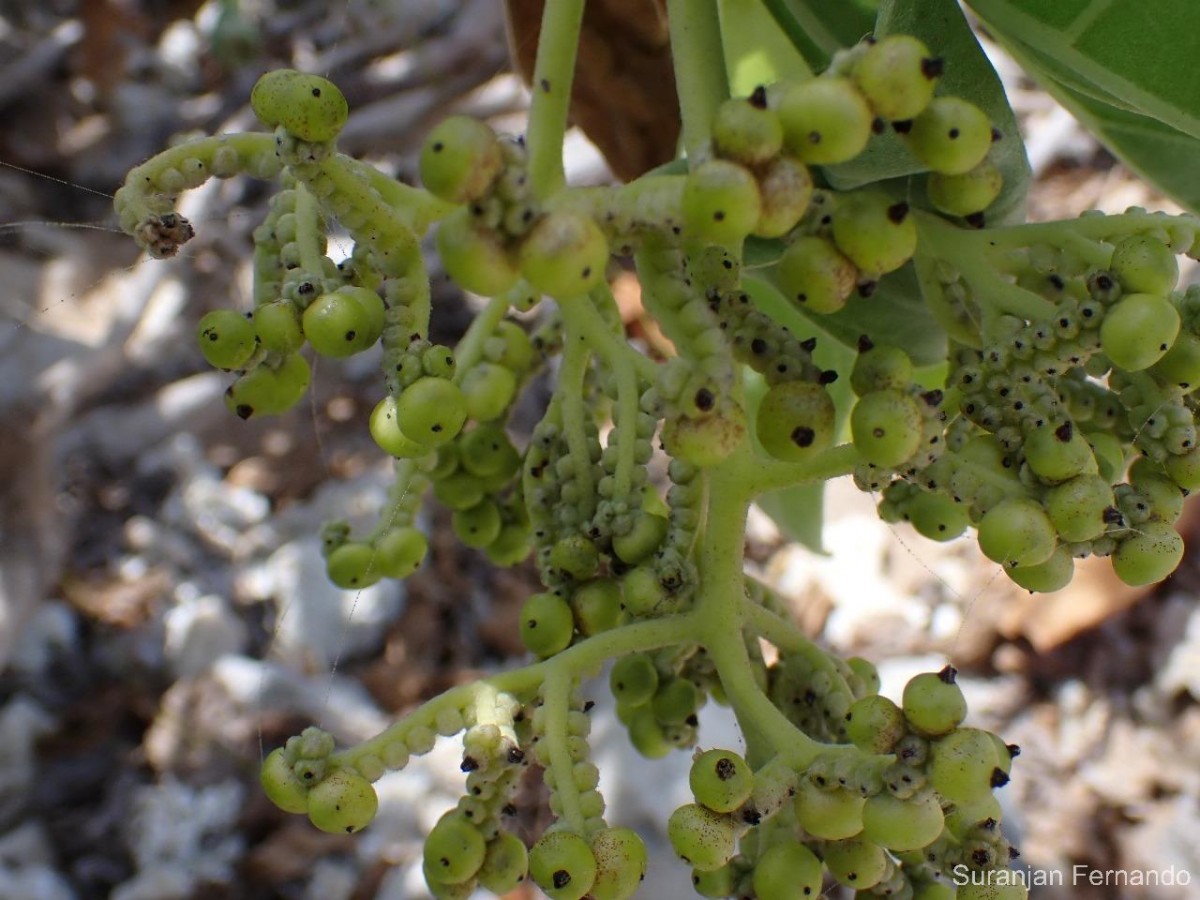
{"x":1151,"y":554}
{"x":226,"y":338}
{"x":886,"y":426}
{"x":745,"y":131}
{"x":547,"y":624}
{"x":786,"y":871}
{"x":563,"y":865}
{"x":938,"y":516}
{"x":785,"y":187}
{"x":352,"y":566}
{"x":454,"y":850}
{"x":278,"y":327}
{"x":1138,"y":331}
{"x":1180,"y":366}
{"x":1017,"y":532}
{"x":1077,"y":507}
{"x":897,"y":76}
{"x":1144,"y":265}
{"x":828,"y":814}
{"x":875,"y":232}
{"x":795,"y":420}
{"x":504,"y":865}
{"x":564,"y":254}
{"x":967,"y":193}
{"x":951,"y":136}
{"x":431,"y":411}
{"x":816,"y":274}
{"x":879,"y":367}
{"x":1056,"y":453}
{"x":874,"y":724}
{"x":856,"y":863}
{"x":825,"y":120}
{"x":1052,"y":575}
{"x":281,"y":785}
{"x":901,"y":825}
{"x":310,"y":107}
{"x":344,"y":322}
{"x":705,"y":441}
{"x":721,"y":202}
{"x":343,"y":803}
{"x":933,"y":702}
{"x":460,"y":159}
{"x":621,"y":862}
{"x":703,"y":839}
{"x":961,"y":766}
{"x":721,"y":780}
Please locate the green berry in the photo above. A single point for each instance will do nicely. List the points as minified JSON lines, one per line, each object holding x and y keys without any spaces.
{"x":454,"y":850}
{"x":505,"y":864}
{"x":486,"y":450}
{"x":343,"y":803}
{"x":562,"y":864}
{"x":478,"y":525}
{"x":576,"y":556}
{"x":901,"y":825}
{"x":597,"y":606}
{"x":385,"y":430}
{"x":1144,"y":265}
{"x":961,"y":766}
{"x":886,"y":426}
{"x":966,"y":193}
{"x":431,"y":411}
{"x":633,"y":679}
{"x":897,"y":76}
{"x":874,"y":724}
{"x":1149,"y":555}
{"x":278,"y":327}
{"x":643,"y":538}
{"x":475,"y":257}
{"x":816,"y":275}
{"x":795,"y":420}
{"x":1017,"y":532}
{"x":874,"y":231}
{"x":675,"y":701}
{"x":621,"y":863}
{"x":703,"y":442}
{"x":951,"y":136}
{"x":879,"y":367}
{"x":310,"y":107}
{"x":1052,"y":575}
{"x":785,"y":188}
{"x":703,"y":839}
{"x":564,"y":254}
{"x":281,"y":785}
{"x":937,"y":516}
{"x":825,"y":120}
{"x":1058,"y":452}
{"x":1138,"y":330}
{"x":1180,"y":366}
{"x":786,"y":871}
{"x":343,"y":322}
{"x":856,"y":863}
{"x":832,"y":815}
{"x":1184,"y":469}
{"x":352,"y":566}
{"x":268,"y":390}
{"x":400,"y":551}
{"x":718,"y":883}
{"x":933,"y":702}
{"x":1077,"y":507}
{"x":226,"y":338}
{"x":721,"y":202}
{"x":488,"y":389}
{"x":547,"y":624}
{"x":460,"y":159}
{"x":746,"y":132}
{"x":721,"y":780}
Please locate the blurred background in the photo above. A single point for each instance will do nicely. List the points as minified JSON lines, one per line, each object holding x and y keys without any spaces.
{"x":164,"y":618}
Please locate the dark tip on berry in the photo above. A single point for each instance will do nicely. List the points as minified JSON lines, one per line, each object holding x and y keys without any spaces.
{"x":975,"y":220}
{"x":589,"y":705}
{"x":1056,"y":282}
{"x":719,"y":216}
{"x":904,"y":126}
{"x":725,"y":768}
{"x":809,"y":344}
{"x":897,"y":212}
{"x":704,"y":399}
{"x":932,"y":398}
{"x":751,"y":816}
{"x":867,"y":288}
{"x":829,"y":376}
{"x":244,"y":411}
{"x":561,"y":879}
{"x":758,"y":346}
{"x":997,"y":134}
{"x":1112,"y":516}
{"x":1013,"y":853}
{"x":469,"y":764}
{"x":803,"y":436}
{"x":758,"y":97}
{"x":878,"y":125}
{"x":545,"y":85}
{"x":1065,"y":432}
{"x":933,"y":67}
{"x":316,"y":92}
{"x":948,"y":674}
{"x":516,"y":756}
{"x":864,"y":344}
{"x":999,"y":778}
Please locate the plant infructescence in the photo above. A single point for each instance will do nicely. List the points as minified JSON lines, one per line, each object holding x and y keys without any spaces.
{"x":827,"y":244}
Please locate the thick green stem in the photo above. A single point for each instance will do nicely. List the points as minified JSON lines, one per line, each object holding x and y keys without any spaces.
{"x":553,"y":74}
{"x":556,"y":697}
{"x":700,"y":77}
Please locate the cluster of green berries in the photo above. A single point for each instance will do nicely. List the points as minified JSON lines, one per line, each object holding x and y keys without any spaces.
{"x":896,"y":816}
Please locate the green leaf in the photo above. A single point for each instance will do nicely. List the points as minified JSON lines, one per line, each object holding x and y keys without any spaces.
{"x":1123,"y":72}
{"x":968,"y":74}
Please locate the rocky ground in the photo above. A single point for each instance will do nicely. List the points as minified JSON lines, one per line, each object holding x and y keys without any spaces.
{"x":163,"y":613}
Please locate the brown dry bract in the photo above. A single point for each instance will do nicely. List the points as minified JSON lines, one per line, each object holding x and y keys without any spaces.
{"x":624,"y":93}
